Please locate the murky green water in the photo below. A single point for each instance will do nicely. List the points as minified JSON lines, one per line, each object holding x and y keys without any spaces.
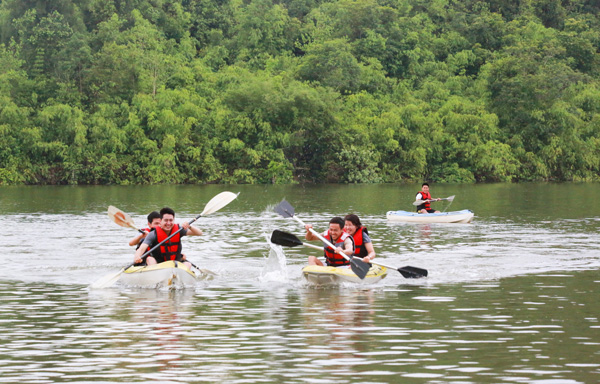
{"x":510,"y":298}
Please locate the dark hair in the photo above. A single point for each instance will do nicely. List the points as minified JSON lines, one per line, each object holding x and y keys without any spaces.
{"x":153,"y":215}
{"x":353,"y":219}
{"x":337,"y":220}
{"x":425,"y":184}
{"x":168,"y":211}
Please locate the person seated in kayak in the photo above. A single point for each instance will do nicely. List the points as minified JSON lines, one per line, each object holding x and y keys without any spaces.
{"x":336,"y":236}
{"x":171,"y":249}
{"x":153,"y":221}
{"x":363,"y":247}
{"x":425,"y":195}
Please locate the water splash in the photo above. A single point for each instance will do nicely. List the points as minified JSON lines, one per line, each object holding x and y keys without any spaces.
{"x":275,"y":268}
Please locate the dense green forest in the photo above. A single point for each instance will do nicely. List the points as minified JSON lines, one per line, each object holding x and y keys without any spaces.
{"x":268,"y":91}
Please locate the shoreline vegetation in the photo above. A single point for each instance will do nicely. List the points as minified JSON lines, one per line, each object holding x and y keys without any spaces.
{"x":298,"y":91}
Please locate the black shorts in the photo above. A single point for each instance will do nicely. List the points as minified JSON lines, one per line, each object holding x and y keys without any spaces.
{"x":430,"y":210}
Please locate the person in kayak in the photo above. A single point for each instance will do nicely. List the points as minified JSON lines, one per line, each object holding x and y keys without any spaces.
{"x":363,"y":247}
{"x":171,"y":249}
{"x":425,"y":195}
{"x":153,"y":221}
{"x":336,"y":236}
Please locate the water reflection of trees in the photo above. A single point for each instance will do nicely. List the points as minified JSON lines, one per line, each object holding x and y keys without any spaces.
{"x":145,"y":323}
{"x":339,"y":318}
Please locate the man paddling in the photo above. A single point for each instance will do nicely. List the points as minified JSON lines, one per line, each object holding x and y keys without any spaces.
{"x":170,"y":250}
{"x":336,"y":236}
{"x":425,"y":195}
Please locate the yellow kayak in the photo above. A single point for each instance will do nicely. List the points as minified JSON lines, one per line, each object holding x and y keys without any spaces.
{"x":318,"y":275}
{"x":173,"y":274}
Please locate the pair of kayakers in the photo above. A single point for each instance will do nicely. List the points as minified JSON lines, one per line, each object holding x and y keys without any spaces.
{"x":161,"y":225}
{"x":348,"y":236}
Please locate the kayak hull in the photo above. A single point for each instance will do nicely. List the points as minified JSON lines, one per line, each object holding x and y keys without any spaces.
{"x":321,"y":275}
{"x":463,"y":217}
{"x":170,"y":274}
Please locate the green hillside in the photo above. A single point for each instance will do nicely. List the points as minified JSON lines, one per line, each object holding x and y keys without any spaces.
{"x":259,"y":91}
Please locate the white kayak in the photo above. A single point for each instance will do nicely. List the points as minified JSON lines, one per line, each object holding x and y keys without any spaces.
{"x":171,"y":274}
{"x":320,"y":275}
{"x":464,"y":216}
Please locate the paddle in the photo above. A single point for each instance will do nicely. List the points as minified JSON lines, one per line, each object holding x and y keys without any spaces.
{"x":359,"y":267}
{"x":216,"y":203}
{"x":289,"y":240}
{"x":121,"y":218}
{"x":419,"y":202}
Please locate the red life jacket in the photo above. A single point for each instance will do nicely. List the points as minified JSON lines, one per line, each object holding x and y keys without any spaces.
{"x":170,"y":250}
{"x":425,"y":205}
{"x":359,"y":245}
{"x":333,"y":258}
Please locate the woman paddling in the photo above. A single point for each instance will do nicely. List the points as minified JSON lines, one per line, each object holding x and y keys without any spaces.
{"x":363,"y":247}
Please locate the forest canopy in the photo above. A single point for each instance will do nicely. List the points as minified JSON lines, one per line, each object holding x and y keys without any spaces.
{"x":262,"y":91}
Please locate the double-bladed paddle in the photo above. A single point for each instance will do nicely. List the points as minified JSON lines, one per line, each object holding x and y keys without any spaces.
{"x":419,"y":202}
{"x":216,"y":203}
{"x":359,"y":267}
{"x":289,"y":240}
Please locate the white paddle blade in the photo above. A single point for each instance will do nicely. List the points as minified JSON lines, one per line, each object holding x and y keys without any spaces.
{"x":450,"y":198}
{"x":120,"y":217}
{"x":218,"y":202}
{"x":106,"y":281}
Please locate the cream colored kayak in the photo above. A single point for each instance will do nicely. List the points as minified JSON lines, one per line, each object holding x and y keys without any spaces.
{"x":172,"y":274}
{"x":464,"y":216}
{"x":318,"y":275}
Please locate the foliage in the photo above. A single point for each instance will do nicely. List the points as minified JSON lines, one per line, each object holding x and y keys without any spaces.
{"x":262,"y":91}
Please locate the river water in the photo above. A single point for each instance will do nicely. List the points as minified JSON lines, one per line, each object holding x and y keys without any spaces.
{"x":510,"y":298}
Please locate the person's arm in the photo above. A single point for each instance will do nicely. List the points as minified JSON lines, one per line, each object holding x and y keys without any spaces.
{"x":371,"y":250}
{"x":150,"y":239}
{"x":419,"y":197}
{"x":309,"y":234}
{"x":348,"y":247}
{"x":191,"y":230}
{"x":140,"y":251}
{"x":135,"y":241}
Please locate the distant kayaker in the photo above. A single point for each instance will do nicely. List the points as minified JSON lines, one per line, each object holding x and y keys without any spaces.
{"x":336,"y":236}
{"x":425,"y":195}
{"x":153,"y":221}
{"x":170,"y":250}
{"x":363,"y":247}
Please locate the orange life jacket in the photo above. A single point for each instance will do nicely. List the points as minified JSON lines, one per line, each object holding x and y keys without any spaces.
{"x":170,"y":250}
{"x":425,"y":205}
{"x":359,"y":245}
{"x":333,"y":258}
